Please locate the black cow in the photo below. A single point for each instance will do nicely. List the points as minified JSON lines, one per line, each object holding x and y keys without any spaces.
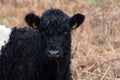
{"x":42,"y":52}
{"x":19,"y":53}
{"x":55,"y":29}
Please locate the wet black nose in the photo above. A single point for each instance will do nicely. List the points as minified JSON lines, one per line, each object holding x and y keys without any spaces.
{"x":53,"y":53}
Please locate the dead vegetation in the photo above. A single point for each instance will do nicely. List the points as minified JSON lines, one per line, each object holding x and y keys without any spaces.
{"x":95,"y":45}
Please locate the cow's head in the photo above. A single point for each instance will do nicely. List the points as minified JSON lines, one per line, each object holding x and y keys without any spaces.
{"x":55,"y":27}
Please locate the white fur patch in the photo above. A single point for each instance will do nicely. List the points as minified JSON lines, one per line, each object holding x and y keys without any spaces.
{"x":4,"y":36}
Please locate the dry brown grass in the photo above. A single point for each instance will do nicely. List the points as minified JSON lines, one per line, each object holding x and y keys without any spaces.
{"x":95,"y":45}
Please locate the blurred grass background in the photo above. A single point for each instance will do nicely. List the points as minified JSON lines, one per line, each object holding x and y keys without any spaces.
{"x":95,"y":44}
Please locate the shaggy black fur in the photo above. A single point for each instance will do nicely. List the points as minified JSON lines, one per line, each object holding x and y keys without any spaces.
{"x":25,"y":56}
{"x":55,"y":27}
{"x":20,"y":55}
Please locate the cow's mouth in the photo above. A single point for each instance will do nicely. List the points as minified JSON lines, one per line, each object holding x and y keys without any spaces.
{"x":53,"y":58}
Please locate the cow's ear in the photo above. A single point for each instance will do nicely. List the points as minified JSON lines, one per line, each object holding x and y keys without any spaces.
{"x":32,"y":20}
{"x":77,"y":20}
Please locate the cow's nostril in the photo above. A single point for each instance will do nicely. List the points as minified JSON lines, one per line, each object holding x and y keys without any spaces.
{"x":53,"y":53}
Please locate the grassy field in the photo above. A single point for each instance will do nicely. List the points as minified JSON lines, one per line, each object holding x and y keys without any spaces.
{"x":95,"y":44}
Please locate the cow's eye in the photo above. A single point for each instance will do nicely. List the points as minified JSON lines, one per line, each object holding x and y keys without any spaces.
{"x":65,"y":33}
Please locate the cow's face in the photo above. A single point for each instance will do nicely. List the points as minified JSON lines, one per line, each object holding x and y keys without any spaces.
{"x":55,"y":28}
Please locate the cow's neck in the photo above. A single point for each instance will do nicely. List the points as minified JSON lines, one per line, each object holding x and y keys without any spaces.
{"x":52,"y":69}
